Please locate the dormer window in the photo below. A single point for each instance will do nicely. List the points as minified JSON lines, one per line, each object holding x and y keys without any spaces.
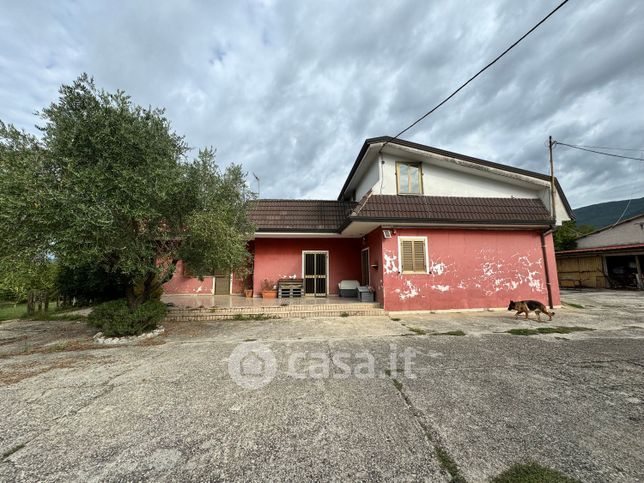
{"x":410,"y":178}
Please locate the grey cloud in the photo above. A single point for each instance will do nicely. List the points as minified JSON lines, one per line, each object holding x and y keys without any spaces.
{"x":291,"y":89}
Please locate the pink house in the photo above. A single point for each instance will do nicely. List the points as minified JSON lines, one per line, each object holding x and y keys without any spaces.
{"x":426,"y":229}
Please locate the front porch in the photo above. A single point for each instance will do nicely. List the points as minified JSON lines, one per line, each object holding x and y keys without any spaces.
{"x":216,"y":307}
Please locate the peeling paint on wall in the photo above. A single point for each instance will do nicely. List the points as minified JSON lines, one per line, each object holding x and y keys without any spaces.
{"x":441,"y":288}
{"x":468,"y":269}
{"x":437,"y":268}
{"x":408,"y":292}
{"x":391,"y":263}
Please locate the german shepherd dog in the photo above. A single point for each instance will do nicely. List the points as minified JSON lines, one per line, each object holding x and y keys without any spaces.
{"x":525,"y":306}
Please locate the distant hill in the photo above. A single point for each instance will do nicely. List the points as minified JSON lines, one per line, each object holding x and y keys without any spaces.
{"x":604,"y":214}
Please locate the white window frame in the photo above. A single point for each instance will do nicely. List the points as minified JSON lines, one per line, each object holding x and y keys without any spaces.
{"x":412,"y":238}
{"x":328,"y":275}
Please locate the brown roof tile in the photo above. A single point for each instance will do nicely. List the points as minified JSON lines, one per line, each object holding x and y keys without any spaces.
{"x":452,"y":209}
{"x":333,"y":216}
{"x":300,"y":215}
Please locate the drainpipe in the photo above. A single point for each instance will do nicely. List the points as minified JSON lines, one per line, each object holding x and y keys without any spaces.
{"x":545,"y":264}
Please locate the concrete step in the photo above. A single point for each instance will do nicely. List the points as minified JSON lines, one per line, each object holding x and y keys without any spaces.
{"x":275,"y":311}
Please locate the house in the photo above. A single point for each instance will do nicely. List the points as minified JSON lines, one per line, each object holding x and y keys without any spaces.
{"x":611,"y":257}
{"x":427,"y":229}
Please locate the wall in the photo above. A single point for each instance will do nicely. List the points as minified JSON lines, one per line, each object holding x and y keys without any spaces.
{"x":373,"y":241}
{"x":469,"y":269}
{"x":369,"y":179}
{"x":277,"y":258}
{"x":629,"y":233}
{"x":443,"y":179}
{"x":581,"y":272}
{"x":181,"y":284}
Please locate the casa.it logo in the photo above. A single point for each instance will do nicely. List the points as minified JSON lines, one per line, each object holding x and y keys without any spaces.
{"x":252,"y":365}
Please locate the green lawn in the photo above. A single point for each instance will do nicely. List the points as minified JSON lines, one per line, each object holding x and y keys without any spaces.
{"x":9,"y":311}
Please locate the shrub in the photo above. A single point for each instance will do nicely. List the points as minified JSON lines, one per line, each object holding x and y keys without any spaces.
{"x":115,"y":319}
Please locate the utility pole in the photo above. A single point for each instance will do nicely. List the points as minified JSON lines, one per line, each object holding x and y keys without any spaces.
{"x":257,"y":178}
{"x":552,"y":180}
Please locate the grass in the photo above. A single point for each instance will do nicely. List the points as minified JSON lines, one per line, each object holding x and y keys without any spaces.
{"x":10,"y":311}
{"x":395,"y":319}
{"x":547,"y":330}
{"x":398,"y":384}
{"x":531,"y":472}
{"x":344,"y":314}
{"x":451,"y":332}
{"x":416,"y":330}
{"x":577,"y":306}
{"x":252,"y":317}
{"x":11,"y":451}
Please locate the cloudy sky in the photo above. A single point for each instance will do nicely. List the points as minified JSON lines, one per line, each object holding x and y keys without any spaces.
{"x":292,"y":89}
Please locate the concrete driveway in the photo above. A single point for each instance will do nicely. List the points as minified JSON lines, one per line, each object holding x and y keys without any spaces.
{"x":336,"y":407}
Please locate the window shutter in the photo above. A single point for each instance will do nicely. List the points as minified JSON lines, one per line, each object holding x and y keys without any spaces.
{"x":419,"y":256}
{"x":407,"y":255}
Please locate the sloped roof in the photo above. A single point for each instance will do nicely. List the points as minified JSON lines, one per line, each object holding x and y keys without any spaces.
{"x":452,"y":209}
{"x":300,"y":215}
{"x":451,"y":154}
{"x":327,"y":216}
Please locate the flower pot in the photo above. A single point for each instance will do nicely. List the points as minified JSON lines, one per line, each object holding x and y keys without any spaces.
{"x":269,"y":294}
{"x":248,"y":293}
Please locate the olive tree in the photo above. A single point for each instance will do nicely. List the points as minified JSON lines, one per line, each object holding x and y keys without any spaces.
{"x":109,"y":183}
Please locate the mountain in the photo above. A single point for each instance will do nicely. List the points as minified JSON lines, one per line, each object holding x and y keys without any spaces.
{"x":604,"y":214}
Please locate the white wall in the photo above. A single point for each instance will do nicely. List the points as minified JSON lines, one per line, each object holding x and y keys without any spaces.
{"x":443,"y":181}
{"x":369,"y":179}
{"x":629,"y":233}
{"x":442,"y":178}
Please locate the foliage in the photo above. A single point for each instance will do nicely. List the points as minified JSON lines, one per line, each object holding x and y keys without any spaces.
{"x":89,"y":284}
{"x":268,"y":285}
{"x":115,"y":319}
{"x":566,"y":235}
{"x":531,"y":472}
{"x":604,"y":214}
{"x":20,"y":275}
{"x":108,"y":185}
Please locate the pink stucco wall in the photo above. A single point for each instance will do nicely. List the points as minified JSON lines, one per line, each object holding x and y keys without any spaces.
{"x":277,"y":258}
{"x":469,"y":269}
{"x":181,"y":284}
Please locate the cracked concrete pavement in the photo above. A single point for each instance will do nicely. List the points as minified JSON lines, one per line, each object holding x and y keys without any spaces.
{"x":572,"y":402}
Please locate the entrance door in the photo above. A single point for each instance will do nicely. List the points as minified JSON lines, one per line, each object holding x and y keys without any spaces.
{"x":222,"y":283}
{"x":314,"y":272}
{"x":364,"y":263}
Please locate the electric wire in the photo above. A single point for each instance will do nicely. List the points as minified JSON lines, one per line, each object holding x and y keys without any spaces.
{"x":490,"y":64}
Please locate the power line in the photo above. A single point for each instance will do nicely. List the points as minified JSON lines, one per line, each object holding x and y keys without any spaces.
{"x":611,"y":149}
{"x":477,"y":74}
{"x":559,"y":143}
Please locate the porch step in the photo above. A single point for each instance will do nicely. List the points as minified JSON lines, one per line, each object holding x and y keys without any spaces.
{"x":181,"y":314}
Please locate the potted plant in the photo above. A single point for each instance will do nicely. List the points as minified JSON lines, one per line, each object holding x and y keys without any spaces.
{"x":269,"y":289}
{"x":248,"y":290}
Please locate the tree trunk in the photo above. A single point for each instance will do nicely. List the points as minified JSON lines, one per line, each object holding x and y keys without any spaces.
{"x":46,"y":301}
{"x":30,"y":302}
{"x":132,"y":300}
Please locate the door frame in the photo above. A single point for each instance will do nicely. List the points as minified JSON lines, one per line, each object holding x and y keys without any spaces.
{"x":368,"y":265}
{"x":328,"y":275}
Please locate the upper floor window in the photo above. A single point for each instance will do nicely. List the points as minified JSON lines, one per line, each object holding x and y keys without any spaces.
{"x":410,"y":178}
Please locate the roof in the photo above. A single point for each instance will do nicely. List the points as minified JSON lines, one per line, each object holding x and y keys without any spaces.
{"x":609,"y":248}
{"x":452,"y":209}
{"x":610,"y":227}
{"x":450,"y":154}
{"x":328,"y":216}
{"x":300,"y":215}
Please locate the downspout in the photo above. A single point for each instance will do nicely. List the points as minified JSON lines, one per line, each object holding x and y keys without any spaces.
{"x":545,"y":264}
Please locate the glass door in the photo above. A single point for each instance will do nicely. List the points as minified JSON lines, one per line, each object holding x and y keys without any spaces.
{"x":315,"y":273}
